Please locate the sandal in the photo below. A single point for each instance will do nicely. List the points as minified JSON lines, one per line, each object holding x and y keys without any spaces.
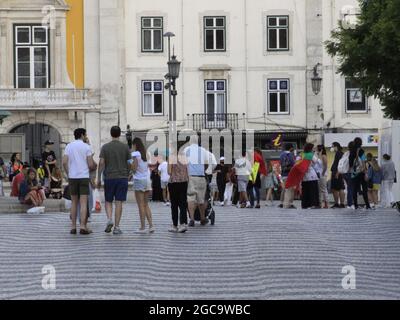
{"x":85,"y":232}
{"x":73,"y":231}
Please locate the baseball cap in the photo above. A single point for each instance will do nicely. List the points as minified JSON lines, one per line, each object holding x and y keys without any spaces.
{"x":49,"y":143}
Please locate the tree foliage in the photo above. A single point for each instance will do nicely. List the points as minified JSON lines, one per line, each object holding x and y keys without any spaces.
{"x":369,"y":53}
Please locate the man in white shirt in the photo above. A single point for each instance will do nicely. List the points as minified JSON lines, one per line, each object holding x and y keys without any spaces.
{"x":77,"y":163}
{"x":197,"y":158}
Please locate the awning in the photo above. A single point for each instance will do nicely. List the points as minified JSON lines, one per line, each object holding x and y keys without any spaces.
{"x":285,"y":135}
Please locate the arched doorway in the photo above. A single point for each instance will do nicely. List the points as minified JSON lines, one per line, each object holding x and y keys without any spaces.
{"x":35,"y":137}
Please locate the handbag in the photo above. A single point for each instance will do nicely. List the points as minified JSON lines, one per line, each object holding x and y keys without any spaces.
{"x":66,"y":193}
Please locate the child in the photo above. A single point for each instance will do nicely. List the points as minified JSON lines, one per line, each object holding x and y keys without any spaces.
{"x":163,"y":172}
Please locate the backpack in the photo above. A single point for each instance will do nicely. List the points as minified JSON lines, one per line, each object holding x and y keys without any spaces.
{"x":344,"y":164}
{"x":285,"y":164}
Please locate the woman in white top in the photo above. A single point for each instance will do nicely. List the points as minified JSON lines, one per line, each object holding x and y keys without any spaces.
{"x":142,"y":184}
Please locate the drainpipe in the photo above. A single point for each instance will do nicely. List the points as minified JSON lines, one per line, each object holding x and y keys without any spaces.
{"x":182,"y":59}
{"x":246,"y":57}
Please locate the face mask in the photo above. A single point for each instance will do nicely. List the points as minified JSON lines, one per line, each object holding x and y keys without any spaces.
{"x":333,"y":150}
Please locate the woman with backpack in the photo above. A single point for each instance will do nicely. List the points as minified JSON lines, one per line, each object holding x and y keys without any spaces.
{"x":337,"y":183}
{"x":357,"y":163}
{"x":347,"y":174}
{"x":374,"y":175}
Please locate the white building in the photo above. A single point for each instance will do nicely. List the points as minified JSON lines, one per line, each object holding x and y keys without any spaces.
{"x":246,"y":64}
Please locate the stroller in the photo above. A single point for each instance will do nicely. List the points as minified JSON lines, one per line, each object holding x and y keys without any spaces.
{"x":210,"y":212}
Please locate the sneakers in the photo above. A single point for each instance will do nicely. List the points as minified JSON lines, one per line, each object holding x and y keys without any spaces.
{"x":173,"y":229}
{"x":109,"y":226}
{"x":117,"y":231}
{"x":248,"y":205}
{"x":205,"y":222}
{"x":152,"y":230}
{"x":280,"y":206}
{"x":191,"y":223}
{"x":182,"y":228}
{"x":141,"y":231}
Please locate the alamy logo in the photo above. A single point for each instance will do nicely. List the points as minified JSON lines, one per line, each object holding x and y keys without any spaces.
{"x":349,"y":281}
{"x":49,"y":279}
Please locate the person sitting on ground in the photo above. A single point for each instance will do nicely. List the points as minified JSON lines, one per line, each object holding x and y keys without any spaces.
{"x":17,"y":180}
{"x":56,"y":183}
{"x":31,"y":193}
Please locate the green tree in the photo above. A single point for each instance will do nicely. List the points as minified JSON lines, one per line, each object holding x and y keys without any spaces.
{"x":369,"y":52}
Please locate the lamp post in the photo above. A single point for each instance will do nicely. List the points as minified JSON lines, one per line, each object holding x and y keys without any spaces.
{"x":173,"y":73}
{"x":169,"y":35}
{"x":316,"y":80}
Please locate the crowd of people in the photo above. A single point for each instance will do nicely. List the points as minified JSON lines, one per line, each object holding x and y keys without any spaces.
{"x":33,"y":185}
{"x":190,"y":179}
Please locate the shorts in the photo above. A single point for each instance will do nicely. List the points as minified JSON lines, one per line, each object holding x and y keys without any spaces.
{"x":242,"y":183}
{"x":141,"y":185}
{"x":337,"y":184}
{"x":376,"y":187}
{"x":79,"y":187}
{"x":115,"y":189}
{"x":164,"y":184}
{"x":196,"y":191}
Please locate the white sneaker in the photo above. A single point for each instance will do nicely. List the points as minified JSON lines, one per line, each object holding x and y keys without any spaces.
{"x":248,"y":205}
{"x":152,"y":230}
{"x":173,"y":229}
{"x":182,"y":228}
{"x":141,"y":231}
{"x":35,"y":210}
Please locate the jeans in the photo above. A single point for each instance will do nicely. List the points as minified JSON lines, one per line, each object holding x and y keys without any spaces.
{"x":349,"y":187}
{"x":221,"y":190}
{"x":251,"y":190}
{"x":1,"y":188}
{"x":178,"y":195}
{"x":358,"y":183}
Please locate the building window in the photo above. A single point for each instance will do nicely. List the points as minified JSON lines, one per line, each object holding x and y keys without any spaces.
{"x":31,"y":44}
{"x":214,"y":33}
{"x":356,"y":101}
{"x":278,"y":33}
{"x":152,"y":34}
{"x":215,"y":99}
{"x":278,"y":96}
{"x":153,"y":98}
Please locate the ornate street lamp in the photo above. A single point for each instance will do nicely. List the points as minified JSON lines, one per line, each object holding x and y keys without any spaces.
{"x":174,"y":67}
{"x":316,"y":80}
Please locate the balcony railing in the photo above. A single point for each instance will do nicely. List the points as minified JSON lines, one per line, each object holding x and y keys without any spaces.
{"x":35,"y":98}
{"x":215,"y":121}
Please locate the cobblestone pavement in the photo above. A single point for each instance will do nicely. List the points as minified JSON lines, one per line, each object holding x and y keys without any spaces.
{"x":248,"y":254}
